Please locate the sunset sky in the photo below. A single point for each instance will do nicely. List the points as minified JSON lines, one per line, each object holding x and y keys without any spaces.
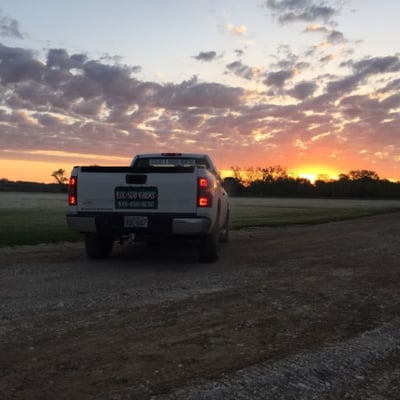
{"x":310,"y":85}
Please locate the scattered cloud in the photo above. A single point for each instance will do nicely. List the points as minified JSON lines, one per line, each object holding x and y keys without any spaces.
{"x":9,"y":27}
{"x":285,"y":106}
{"x":288,"y":11}
{"x":71,"y":101}
{"x":206,"y":56}
{"x":239,"y":52}
{"x":332,"y":36}
{"x":279,"y":78}
{"x":75,"y":101}
{"x":316,"y":28}
{"x":239,"y":69}
{"x":236,"y":30}
{"x":377,"y":65}
{"x":336,"y":37}
{"x":303,"y":90}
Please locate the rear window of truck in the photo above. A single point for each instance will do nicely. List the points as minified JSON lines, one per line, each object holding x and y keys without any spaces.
{"x":170,"y":162}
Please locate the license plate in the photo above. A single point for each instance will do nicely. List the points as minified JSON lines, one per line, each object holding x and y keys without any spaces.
{"x":135,"y":221}
{"x":129,"y":198}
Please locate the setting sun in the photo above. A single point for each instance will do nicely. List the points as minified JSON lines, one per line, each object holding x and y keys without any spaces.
{"x":316,"y":173}
{"x":311,"y":177}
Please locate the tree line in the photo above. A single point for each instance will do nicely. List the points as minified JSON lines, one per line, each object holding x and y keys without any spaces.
{"x":271,"y":181}
{"x":25,"y":186}
{"x":275,"y":181}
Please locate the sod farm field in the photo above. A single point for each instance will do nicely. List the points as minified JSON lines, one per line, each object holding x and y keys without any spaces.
{"x":33,"y":218}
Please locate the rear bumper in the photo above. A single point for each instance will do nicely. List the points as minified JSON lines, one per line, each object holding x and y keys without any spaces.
{"x":190,"y":226}
{"x":160,"y":224}
{"x":81,"y":224}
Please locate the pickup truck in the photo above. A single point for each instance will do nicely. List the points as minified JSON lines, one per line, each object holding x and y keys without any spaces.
{"x":159,"y":196}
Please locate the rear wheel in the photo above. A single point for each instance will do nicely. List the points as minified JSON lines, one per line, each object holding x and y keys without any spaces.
{"x":224,"y":232}
{"x":98,"y":246}
{"x":208,"y":247}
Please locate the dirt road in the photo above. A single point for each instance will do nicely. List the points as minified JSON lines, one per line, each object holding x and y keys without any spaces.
{"x":287,"y":313}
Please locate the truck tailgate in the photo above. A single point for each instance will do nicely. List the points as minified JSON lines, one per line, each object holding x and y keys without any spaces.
{"x":137,"y":192}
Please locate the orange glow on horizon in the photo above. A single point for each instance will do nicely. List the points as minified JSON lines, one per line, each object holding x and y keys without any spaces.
{"x":307,"y":172}
{"x":32,"y":171}
{"x":41,"y":171}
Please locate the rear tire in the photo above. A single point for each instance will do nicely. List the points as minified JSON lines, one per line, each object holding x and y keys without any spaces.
{"x":224,"y":232}
{"x":97,"y":246}
{"x":208,"y":247}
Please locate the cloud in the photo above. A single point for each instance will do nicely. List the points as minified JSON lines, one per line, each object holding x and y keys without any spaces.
{"x":59,"y":58}
{"x":362,"y":71}
{"x":239,"y":69}
{"x":316,"y":28}
{"x":377,"y":65}
{"x":286,"y":59}
{"x":343,"y":85}
{"x":391,"y":86}
{"x":72,"y":102}
{"x":239,"y":52}
{"x":289,"y":11}
{"x":206,"y":56}
{"x":279,"y":78}
{"x":199,"y":94}
{"x":236,"y":30}
{"x":9,"y":27}
{"x":327,"y":58}
{"x":332,"y":36}
{"x":303,"y":90}
{"x":335,"y":37}
{"x":18,"y":64}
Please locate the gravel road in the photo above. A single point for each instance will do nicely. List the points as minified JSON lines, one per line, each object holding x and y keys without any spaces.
{"x":301,"y":312}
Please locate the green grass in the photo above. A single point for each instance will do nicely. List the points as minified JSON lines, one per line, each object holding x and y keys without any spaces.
{"x":291,"y":216}
{"x":32,"y":218}
{"x":33,"y":227}
{"x":256,"y":212}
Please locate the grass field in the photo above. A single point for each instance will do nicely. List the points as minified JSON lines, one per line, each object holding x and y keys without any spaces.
{"x":32,"y":218}
{"x":247,"y":212}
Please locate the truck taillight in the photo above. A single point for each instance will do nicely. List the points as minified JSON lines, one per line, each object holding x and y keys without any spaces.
{"x":204,"y":194}
{"x":72,"y":191}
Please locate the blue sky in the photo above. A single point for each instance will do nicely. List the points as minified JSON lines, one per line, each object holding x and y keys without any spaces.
{"x":306,"y":84}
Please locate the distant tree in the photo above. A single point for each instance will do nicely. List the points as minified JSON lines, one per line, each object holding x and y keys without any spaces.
{"x":273,"y":173}
{"x":237,"y":174}
{"x":275,"y":181}
{"x":59,"y":176}
{"x":363,"y":174}
{"x":251,"y":175}
{"x":243,"y":176}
